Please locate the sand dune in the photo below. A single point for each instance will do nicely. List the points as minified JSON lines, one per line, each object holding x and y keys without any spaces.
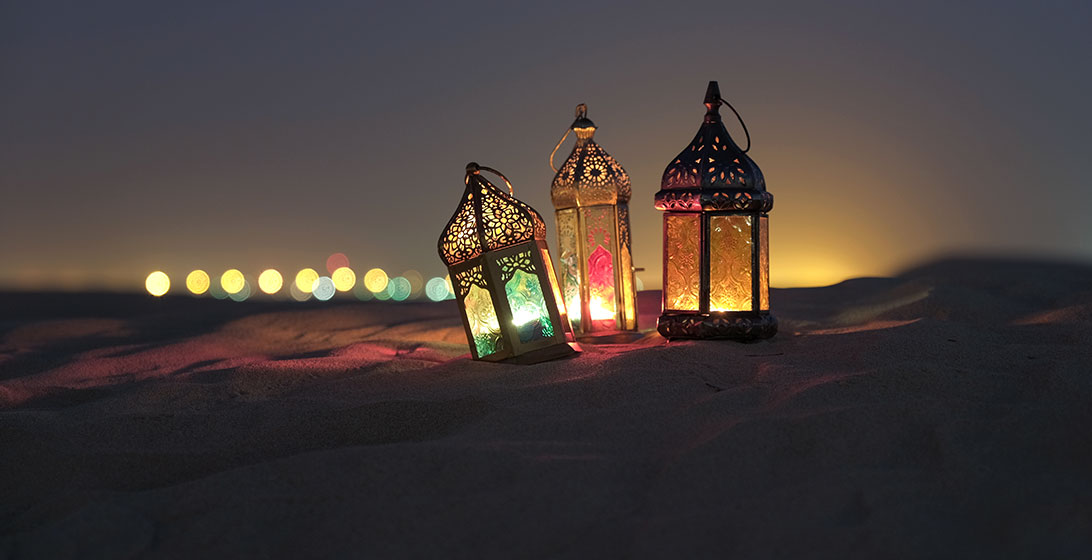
{"x":943,"y":413}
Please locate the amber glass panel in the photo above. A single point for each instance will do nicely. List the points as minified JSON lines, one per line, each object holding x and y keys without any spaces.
{"x":482,"y":317}
{"x":764,"y":262}
{"x":569,"y":262}
{"x":626,"y":273}
{"x":682,"y":245}
{"x":553,"y":282}
{"x":530,"y":315}
{"x":730,"y":263}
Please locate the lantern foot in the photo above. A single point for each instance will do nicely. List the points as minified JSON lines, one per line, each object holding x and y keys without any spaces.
{"x":554,"y":352}
{"x":730,"y":326}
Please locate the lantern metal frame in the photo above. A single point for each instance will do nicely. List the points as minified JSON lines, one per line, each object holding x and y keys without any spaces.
{"x":590,"y":193}
{"x":490,"y":236}
{"x":711,"y":178}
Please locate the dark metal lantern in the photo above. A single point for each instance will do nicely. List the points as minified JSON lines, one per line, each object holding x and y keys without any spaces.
{"x":716,"y":238}
{"x":591,"y":195}
{"x":495,"y":249}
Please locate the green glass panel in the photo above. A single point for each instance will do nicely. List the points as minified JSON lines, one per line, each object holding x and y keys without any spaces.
{"x":530,"y":315}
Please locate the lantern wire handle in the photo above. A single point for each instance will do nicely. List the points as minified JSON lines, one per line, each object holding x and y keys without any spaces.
{"x":511,"y":191}
{"x":558,"y":146}
{"x":747,"y":134}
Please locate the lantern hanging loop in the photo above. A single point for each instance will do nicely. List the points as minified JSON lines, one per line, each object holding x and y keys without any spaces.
{"x":581,"y":113}
{"x":745,"y":133}
{"x":473,"y":168}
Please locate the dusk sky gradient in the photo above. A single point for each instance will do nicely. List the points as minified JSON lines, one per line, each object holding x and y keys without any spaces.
{"x":137,"y":136}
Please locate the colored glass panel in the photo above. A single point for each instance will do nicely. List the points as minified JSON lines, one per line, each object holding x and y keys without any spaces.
{"x":482,"y":317}
{"x":682,"y":244}
{"x":730,"y":263}
{"x":764,"y":262}
{"x":601,"y":304}
{"x":569,"y":263}
{"x":530,"y":315}
{"x":553,"y":282}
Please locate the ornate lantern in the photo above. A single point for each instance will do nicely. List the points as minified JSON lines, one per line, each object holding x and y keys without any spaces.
{"x":716,"y":240}
{"x":591,"y":197}
{"x":494,"y":247}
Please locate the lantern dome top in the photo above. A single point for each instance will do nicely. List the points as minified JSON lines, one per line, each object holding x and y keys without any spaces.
{"x":713,"y":173}
{"x":590,"y":175}
{"x":487,"y":219}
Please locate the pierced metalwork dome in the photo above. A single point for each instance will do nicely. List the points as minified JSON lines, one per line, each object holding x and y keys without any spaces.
{"x":713,"y":173}
{"x":590,"y":175}
{"x":487,"y":219}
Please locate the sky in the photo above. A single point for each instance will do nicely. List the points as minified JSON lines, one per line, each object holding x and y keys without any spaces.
{"x":141,"y":136}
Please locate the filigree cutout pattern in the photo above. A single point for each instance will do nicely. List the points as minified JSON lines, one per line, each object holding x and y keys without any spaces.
{"x":511,"y":263}
{"x":589,"y":176}
{"x":713,"y":161}
{"x":470,"y":277}
{"x":490,"y":217}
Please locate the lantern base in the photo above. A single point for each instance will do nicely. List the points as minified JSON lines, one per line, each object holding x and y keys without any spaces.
{"x":731,"y":326}
{"x":553,"y":352}
{"x":611,"y":337}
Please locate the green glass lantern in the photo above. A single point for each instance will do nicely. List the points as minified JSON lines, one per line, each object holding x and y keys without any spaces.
{"x":495,"y":250}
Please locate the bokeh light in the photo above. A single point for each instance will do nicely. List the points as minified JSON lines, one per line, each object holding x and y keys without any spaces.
{"x":336,"y":261}
{"x":450,"y":289}
{"x":417,"y":282}
{"x":384,"y":294}
{"x":217,"y":291}
{"x":362,"y":292}
{"x":197,"y":282}
{"x":323,"y":288}
{"x":640,"y":285}
{"x":243,"y":294}
{"x":399,"y":288}
{"x":436,"y":289}
{"x":157,"y":283}
{"x":298,"y":294}
{"x":305,"y":279}
{"x":344,"y":278}
{"x":232,"y":281}
{"x":376,"y":280}
{"x":270,"y":281}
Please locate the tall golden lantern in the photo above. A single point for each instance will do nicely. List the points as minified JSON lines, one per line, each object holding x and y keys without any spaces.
{"x":716,"y":237}
{"x":495,"y":249}
{"x":591,"y":195}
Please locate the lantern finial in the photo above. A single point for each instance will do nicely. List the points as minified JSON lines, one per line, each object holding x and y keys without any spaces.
{"x":712,"y":94}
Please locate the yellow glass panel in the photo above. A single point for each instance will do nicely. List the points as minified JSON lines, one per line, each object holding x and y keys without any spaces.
{"x":569,"y":262}
{"x":682,"y":245}
{"x":764,"y":262}
{"x":730,"y":263}
{"x":484,"y":326}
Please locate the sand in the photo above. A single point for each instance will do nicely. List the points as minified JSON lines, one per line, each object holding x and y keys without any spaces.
{"x":946,"y":412}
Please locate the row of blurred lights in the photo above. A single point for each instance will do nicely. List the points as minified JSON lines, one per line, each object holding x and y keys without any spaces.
{"x":308,"y":283}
